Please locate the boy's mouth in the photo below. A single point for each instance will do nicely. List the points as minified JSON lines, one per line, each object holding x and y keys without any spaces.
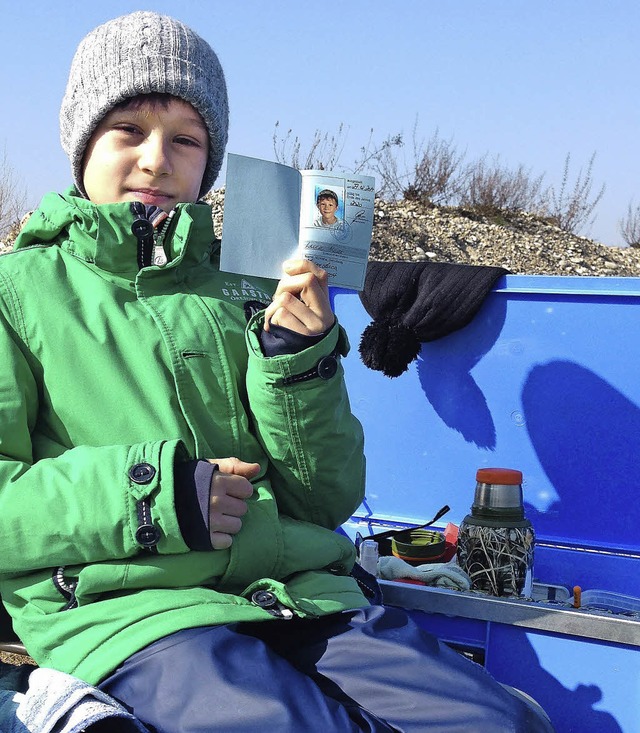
{"x":150,"y":195}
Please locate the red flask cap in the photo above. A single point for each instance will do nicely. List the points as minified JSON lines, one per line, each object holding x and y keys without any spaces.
{"x":507,"y":476}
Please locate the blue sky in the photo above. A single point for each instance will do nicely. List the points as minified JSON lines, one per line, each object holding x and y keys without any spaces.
{"x":527,"y":81}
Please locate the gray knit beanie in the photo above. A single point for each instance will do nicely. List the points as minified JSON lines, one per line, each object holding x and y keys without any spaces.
{"x":141,"y":53}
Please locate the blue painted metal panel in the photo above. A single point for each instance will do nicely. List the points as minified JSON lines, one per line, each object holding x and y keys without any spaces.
{"x":584,"y":687}
{"x":568,"y":567}
{"x":544,"y":379}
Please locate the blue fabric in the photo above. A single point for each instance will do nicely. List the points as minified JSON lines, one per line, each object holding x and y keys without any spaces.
{"x":370,"y":670}
{"x":279,"y":340}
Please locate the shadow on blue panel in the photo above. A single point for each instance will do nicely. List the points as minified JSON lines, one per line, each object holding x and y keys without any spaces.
{"x":589,"y":451}
{"x":444,"y":371}
{"x":571,"y":711}
{"x":517,"y":664}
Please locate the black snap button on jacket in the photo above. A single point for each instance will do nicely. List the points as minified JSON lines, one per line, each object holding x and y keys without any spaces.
{"x":147,"y":535}
{"x":142,"y":473}
{"x":327,"y":367}
{"x":264,"y":598}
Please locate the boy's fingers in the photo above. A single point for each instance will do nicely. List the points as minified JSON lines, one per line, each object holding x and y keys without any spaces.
{"x":227,"y":499}
{"x":306,"y":281}
{"x":291,"y":313}
{"x":227,"y":505}
{"x":220,"y":540}
{"x":305,"y":287}
{"x":301,"y":301}
{"x":297,"y":267}
{"x":284,"y":318}
{"x":224,"y":523}
{"x":305,"y":322}
{"x":224,"y":484}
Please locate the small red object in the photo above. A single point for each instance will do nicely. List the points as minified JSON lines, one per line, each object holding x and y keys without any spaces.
{"x":451,"y":542}
{"x":451,"y":533}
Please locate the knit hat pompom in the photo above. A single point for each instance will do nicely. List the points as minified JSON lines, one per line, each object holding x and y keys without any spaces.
{"x":415,"y":302}
{"x":143,"y":53}
{"x":389,"y":347}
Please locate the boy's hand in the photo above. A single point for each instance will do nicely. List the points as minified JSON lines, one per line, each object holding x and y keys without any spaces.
{"x":301,"y":301}
{"x":230,"y":488}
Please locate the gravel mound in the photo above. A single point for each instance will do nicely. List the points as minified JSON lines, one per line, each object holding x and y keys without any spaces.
{"x":522,"y":243}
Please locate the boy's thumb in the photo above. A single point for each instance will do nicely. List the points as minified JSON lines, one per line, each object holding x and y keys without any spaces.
{"x":236,"y":467}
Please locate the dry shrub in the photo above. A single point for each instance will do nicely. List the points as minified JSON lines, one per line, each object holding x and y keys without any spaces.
{"x":325,"y":150}
{"x":433,"y":176}
{"x":323,"y":153}
{"x":491,"y":187}
{"x":13,"y":198}
{"x":571,"y":207}
{"x":630,"y":226}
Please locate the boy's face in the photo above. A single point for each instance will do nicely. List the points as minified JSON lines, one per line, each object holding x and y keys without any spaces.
{"x":148,"y":153}
{"x":327,"y":207}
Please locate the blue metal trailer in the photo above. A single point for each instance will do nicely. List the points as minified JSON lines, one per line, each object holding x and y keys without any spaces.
{"x":544,"y":380}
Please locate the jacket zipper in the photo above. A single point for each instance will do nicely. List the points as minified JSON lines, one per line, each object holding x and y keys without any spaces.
{"x":150,"y":228}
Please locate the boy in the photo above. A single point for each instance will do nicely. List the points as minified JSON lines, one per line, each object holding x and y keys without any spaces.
{"x":205,"y":591}
{"x":327,"y":203}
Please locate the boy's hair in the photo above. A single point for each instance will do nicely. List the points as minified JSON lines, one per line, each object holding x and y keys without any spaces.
{"x":153,"y":100}
{"x":136,"y":54}
{"x":327,"y":194}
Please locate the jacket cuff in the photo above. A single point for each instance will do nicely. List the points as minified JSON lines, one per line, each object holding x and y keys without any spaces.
{"x":192,"y":481}
{"x":285,"y":365}
{"x":279,"y":340}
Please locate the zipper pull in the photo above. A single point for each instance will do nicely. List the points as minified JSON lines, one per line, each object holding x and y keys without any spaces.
{"x":159,"y":255}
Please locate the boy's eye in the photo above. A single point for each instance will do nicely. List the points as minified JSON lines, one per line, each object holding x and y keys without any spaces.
{"x":127,"y":128}
{"x":189,"y":141}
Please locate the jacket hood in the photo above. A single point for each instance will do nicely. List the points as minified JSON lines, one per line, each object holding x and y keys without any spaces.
{"x":101,"y":233}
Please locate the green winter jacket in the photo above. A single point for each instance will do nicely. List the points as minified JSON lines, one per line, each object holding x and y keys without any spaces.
{"x":105,"y":368}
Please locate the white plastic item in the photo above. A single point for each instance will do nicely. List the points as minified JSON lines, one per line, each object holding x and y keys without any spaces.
{"x":608,"y":601}
{"x":369,"y":556}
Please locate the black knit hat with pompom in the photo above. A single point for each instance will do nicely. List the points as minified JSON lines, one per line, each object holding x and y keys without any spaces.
{"x":414,"y":302}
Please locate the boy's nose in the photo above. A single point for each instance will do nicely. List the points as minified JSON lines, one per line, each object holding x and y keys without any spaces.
{"x":154,"y":157}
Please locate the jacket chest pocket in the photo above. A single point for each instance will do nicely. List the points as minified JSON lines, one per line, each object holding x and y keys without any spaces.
{"x":209,"y":402}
